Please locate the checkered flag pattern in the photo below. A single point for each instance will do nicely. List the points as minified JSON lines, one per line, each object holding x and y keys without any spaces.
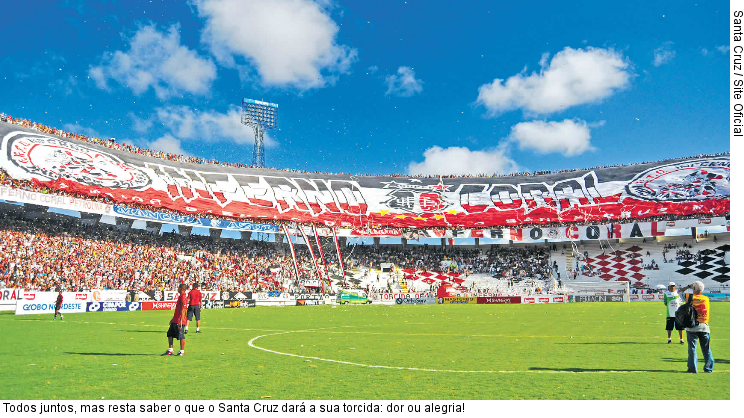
{"x":711,"y":265}
{"x":620,"y":265}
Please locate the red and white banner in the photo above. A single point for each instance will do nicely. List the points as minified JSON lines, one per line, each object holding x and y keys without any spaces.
{"x":322,"y":257}
{"x":312,"y":255}
{"x":294,"y":256}
{"x":672,"y":187}
{"x":338,"y":254}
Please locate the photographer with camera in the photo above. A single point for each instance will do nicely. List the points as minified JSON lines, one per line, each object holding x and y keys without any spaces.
{"x":701,"y":331}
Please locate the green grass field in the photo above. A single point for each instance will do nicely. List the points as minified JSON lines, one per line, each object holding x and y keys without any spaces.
{"x":618,"y":351}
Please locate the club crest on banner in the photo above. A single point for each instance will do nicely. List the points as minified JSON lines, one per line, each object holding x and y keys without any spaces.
{"x":55,"y":158}
{"x":684,"y":181}
{"x":416,"y":198}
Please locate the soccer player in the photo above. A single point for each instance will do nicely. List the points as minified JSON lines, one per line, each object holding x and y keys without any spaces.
{"x":672,"y":303}
{"x":58,"y":307}
{"x":179,"y":320}
{"x":195,"y":297}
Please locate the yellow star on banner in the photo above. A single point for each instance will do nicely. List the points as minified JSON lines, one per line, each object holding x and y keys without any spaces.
{"x":399,"y":217}
{"x":438,"y":216}
{"x":453,"y":212}
{"x":419,"y":218}
{"x":384,"y":212}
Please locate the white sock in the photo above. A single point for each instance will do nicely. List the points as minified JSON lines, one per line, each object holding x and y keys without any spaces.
{"x":197,"y":328}
{"x":187,"y":327}
{"x":181,"y":351}
{"x":170,"y":349}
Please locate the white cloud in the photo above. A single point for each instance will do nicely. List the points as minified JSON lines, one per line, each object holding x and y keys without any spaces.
{"x":569,"y":137}
{"x":573,"y":77}
{"x":75,"y":128}
{"x":158,"y":60}
{"x":704,"y":51}
{"x":167,"y":143}
{"x":404,"y":83}
{"x":461,"y":160}
{"x":373,"y":69}
{"x":289,"y":42}
{"x":185,"y":123}
{"x":140,"y":125}
{"x":723,"y":49}
{"x":664,"y":54}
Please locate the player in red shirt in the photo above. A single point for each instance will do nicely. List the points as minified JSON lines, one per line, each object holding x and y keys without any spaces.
{"x":195,"y":298}
{"x":178,"y":322}
{"x":58,"y":307}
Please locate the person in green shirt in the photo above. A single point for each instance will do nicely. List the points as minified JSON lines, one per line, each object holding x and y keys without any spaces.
{"x":672,"y":302}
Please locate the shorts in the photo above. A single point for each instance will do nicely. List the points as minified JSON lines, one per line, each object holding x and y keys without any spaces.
{"x":672,"y":324}
{"x":193,"y":311}
{"x":176,"y":332}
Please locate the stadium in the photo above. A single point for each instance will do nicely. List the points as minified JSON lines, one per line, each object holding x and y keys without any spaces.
{"x":585,"y":243}
{"x":367,"y":207}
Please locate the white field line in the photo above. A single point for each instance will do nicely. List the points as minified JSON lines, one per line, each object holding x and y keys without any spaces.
{"x":251,"y":344}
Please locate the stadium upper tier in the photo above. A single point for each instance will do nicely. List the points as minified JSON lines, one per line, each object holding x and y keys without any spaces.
{"x":677,"y":187}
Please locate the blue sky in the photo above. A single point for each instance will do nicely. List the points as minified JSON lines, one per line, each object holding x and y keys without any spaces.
{"x":380,"y":87}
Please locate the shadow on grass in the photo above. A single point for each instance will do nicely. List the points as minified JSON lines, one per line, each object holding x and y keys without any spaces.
{"x":700,"y":360}
{"x":580,"y":370}
{"x":108,"y":354}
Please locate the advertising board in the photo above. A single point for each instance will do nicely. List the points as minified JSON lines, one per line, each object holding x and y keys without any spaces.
{"x":158,"y":306}
{"x":44,"y":303}
{"x":647,"y":297}
{"x":415,"y":301}
{"x":98,"y":295}
{"x":598,"y":298}
{"x":113,"y":306}
{"x":498,"y":300}
{"x":248,"y":303}
{"x":457,"y":300}
{"x":8,"y":298}
{"x":275,"y":299}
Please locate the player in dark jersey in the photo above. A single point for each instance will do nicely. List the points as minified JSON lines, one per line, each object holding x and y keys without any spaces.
{"x":178,"y":322}
{"x":195,"y":298}
{"x":58,"y":307}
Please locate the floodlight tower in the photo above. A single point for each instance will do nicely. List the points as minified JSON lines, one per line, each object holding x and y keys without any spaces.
{"x":260,"y":116}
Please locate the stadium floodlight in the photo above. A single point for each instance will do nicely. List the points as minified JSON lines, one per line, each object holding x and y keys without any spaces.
{"x":260,"y":116}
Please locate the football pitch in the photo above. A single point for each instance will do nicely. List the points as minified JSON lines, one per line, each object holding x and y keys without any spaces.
{"x":556,"y":351}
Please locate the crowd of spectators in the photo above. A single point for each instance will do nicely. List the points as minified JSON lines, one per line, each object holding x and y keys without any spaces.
{"x":113,"y":144}
{"x":502,"y":262}
{"x":47,"y":254}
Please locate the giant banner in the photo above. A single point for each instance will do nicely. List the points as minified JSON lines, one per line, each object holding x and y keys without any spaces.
{"x":672,"y":187}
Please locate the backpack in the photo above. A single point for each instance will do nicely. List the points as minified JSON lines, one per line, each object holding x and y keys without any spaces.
{"x":686,"y":316}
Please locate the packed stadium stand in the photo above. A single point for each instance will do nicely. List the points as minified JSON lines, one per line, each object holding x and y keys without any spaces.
{"x":587,"y":214}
